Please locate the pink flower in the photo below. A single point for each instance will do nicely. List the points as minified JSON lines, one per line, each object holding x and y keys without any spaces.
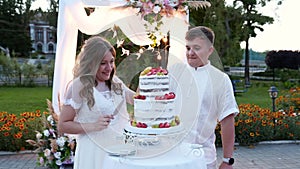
{"x":47,"y":152}
{"x":41,"y":159}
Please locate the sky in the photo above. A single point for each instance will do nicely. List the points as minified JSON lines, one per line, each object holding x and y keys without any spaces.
{"x":283,"y":34}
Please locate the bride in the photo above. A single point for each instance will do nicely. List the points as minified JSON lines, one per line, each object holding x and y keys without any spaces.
{"x":94,"y":105}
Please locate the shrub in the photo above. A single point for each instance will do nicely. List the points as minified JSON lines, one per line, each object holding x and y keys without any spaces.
{"x":289,"y":103}
{"x":254,"y":124}
{"x":15,"y":129}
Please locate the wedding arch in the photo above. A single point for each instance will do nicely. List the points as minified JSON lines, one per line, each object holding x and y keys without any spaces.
{"x":72,"y":17}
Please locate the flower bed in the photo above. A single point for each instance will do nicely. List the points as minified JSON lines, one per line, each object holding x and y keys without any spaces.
{"x":255,"y":124}
{"x":15,"y":129}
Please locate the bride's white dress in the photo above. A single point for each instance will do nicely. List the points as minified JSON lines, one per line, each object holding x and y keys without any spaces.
{"x":90,"y":148}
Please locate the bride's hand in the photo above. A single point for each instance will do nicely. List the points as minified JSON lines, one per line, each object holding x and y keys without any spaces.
{"x":104,"y":121}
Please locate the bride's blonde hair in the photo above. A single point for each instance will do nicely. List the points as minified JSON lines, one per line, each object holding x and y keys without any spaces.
{"x":87,"y":64}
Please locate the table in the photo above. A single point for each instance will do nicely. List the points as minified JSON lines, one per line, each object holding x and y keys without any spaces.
{"x":182,"y":156}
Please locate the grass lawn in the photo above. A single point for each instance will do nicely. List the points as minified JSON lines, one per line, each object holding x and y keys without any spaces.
{"x":258,"y":94}
{"x":23,"y":99}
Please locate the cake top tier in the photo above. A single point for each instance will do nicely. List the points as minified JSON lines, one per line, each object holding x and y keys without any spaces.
{"x":150,"y":71}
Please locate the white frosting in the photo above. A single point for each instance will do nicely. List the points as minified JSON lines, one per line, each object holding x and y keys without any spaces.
{"x":154,"y":85}
{"x":153,"y":109}
{"x":154,"y":82}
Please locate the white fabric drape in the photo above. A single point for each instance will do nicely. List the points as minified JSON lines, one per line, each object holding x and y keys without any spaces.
{"x":72,"y":17}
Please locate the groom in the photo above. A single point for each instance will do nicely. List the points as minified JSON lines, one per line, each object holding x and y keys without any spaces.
{"x":207,"y":98}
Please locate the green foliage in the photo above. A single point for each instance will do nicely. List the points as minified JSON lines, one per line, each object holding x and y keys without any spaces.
{"x":289,"y":77}
{"x":12,"y":73}
{"x":14,"y":18}
{"x":10,"y":70}
{"x":135,"y":66}
{"x":253,"y":20}
{"x":283,"y":59}
{"x":52,"y":12}
{"x":30,"y":73}
{"x":34,"y":55}
{"x":227,"y":24}
{"x":133,"y":63}
{"x":48,"y":70}
{"x":291,"y":83}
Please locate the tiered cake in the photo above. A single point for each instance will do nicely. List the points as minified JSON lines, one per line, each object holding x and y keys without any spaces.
{"x":154,"y":105}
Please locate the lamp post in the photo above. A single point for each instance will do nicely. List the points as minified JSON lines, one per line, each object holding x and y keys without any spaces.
{"x":273,"y":92}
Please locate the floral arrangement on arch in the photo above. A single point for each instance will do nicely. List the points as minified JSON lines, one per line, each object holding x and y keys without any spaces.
{"x":153,"y":11}
{"x":53,"y":149}
{"x":158,"y":8}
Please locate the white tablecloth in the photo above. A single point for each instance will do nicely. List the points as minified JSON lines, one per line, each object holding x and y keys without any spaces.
{"x":183,"y":156}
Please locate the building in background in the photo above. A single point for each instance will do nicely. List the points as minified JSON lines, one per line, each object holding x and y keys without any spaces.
{"x":43,"y":38}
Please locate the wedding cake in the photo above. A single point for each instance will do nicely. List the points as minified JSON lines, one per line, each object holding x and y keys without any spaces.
{"x":154,"y":105}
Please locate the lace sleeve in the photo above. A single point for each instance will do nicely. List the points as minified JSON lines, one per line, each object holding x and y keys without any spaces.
{"x":72,"y":97}
{"x":70,"y":102}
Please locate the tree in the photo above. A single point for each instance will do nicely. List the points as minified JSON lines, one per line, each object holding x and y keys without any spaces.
{"x":253,"y":21}
{"x":227,"y":25}
{"x":14,"y":18}
{"x":52,"y":12}
{"x":283,"y":59}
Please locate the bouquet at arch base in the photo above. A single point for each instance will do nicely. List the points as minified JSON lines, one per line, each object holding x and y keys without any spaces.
{"x":53,"y":149}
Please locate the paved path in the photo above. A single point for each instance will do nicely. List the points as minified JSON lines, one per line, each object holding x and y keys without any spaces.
{"x":275,"y":156}
{"x":263,"y":156}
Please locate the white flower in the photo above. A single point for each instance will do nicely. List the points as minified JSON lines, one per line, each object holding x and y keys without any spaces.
{"x":47,"y":152}
{"x":138,"y":3}
{"x":161,"y":2}
{"x":57,"y":155}
{"x":71,"y":138}
{"x":58,"y":162}
{"x":61,"y":141}
{"x":38,"y":135}
{"x":46,"y":133}
{"x":52,"y":131}
{"x":50,"y":118}
{"x":156,"y":9}
{"x":173,"y":3}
